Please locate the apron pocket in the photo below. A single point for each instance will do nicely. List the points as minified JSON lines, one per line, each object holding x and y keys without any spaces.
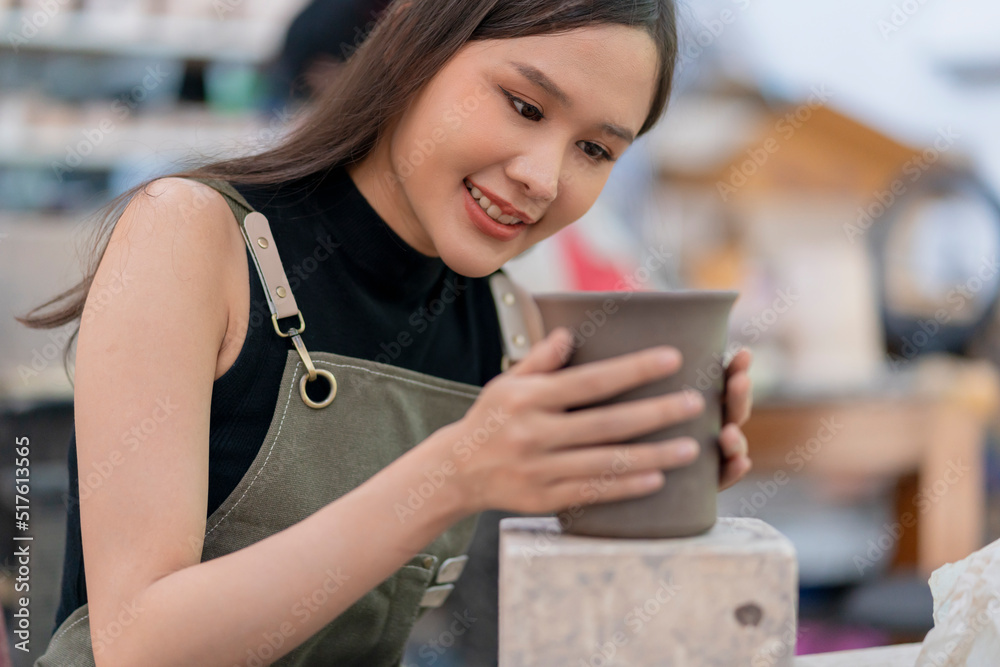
{"x":374,"y":631}
{"x":412,"y":581}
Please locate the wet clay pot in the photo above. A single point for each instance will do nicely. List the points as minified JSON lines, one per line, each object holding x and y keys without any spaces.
{"x":609,"y":324}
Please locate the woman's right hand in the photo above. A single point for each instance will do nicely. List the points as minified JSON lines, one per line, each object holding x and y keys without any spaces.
{"x":518,"y":449}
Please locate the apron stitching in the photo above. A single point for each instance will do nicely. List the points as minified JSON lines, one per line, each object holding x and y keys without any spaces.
{"x":82,"y":618}
{"x":393,"y":377}
{"x":273,"y":443}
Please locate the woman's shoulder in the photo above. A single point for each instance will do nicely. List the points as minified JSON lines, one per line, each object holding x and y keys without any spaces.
{"x":187,"y":219}
{"x":186,"y":226}
{"x":194,"y":200}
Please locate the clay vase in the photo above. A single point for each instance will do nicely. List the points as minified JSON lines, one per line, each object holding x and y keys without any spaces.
{"x":609,"y":324}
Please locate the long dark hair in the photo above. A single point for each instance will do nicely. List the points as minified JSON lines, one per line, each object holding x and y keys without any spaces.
{"x":411,"y":42}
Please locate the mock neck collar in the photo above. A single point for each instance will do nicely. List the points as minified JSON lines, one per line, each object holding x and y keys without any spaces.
{"x":380,"y":256}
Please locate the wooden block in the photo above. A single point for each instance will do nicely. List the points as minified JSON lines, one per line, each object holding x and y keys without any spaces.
{"x":723,"y":599}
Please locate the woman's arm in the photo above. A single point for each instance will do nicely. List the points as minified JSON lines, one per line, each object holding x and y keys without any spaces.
{"x":155,"y":319}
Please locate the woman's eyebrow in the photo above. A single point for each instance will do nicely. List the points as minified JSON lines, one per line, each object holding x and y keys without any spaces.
{"x":540,"y":79}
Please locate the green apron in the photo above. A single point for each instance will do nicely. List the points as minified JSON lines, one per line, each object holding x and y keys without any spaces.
{"x":326,"y":437}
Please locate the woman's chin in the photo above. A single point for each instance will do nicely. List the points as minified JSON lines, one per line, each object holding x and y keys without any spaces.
{"x":472,"y":262}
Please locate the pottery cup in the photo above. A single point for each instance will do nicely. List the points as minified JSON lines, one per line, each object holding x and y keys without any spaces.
{"x":609,"y":324}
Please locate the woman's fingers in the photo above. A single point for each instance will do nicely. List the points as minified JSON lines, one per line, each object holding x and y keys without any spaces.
{"x":548,"y":354}
{"x":569,"y":448}
{"x":591,"y":382}
{"x":739,"y":404}
{"x":739,"y":390}
{"x":732,"y":442}
{"x":570,"y":493}
{"x":620,"y":421}
{"x":603,"y":460}
{"x":740,"y":362}
{"x":739,"y":399}
{"x":598,"y":380}
{"x":734,"y":471}
{"x":735,"y":454}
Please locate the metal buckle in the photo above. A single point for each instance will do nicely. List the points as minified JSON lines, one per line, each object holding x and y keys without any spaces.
{"x":435,"y":595}
{"x":451,"y":569}
{"x":291,"y":332}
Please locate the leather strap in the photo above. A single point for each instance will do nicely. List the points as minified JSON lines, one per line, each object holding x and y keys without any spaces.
{"x":520,"y":320}
{"x":257,"y":233}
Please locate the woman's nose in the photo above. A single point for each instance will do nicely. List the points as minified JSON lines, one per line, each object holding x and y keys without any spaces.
{"x":538,"y":175}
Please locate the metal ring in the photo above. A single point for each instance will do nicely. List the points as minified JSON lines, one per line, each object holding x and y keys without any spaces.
{"x":326,"y":401}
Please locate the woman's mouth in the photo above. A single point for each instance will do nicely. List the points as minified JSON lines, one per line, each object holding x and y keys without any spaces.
{"x":488,"y":217}
{"x":491,"y":209}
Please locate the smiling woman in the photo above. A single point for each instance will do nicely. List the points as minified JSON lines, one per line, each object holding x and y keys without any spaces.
{"x":314,"y":491}
{"x":530,"y":160}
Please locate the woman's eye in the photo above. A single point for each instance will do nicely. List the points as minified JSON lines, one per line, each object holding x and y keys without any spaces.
{"x":593,"y":151}
{"x":598,"y":152}
{"x":521,"y":106}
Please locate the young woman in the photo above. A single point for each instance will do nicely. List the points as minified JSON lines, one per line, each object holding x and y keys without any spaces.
{"x":287,"y":423}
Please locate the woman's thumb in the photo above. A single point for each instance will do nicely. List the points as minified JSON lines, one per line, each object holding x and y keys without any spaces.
{"x":549,"y":354}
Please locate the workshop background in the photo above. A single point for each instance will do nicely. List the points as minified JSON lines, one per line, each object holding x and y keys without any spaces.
{"x":838,"y":163}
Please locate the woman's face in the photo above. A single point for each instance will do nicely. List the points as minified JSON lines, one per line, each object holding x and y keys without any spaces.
{"x":533,"y":123}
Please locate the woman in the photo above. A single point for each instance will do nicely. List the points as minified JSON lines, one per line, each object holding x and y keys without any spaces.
{"x":341,"y":467}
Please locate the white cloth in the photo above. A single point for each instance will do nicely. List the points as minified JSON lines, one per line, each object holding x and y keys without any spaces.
{"x":966,"y":630}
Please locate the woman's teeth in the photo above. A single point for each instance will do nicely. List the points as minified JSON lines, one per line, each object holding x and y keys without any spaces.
{"x":491,"y":209}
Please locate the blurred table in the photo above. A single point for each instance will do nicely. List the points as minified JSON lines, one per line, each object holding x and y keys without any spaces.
{"x":935,"y":427}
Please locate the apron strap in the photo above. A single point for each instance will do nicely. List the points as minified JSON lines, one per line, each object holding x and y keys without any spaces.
{"x":520,"y":320}
{"x":280,"y":300}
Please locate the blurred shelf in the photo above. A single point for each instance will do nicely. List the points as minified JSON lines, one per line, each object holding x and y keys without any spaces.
{"x":95,"y":139}
{"x":144,"y":35}
{"x":50,"y":386}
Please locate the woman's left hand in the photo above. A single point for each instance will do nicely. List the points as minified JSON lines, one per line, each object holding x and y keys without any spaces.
{"x":739,"y":400}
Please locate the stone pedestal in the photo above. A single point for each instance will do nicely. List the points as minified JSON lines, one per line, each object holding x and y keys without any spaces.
{"x":723,"y":599}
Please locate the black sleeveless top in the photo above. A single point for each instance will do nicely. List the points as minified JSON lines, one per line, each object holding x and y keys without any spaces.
{"x":363,"y":291}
